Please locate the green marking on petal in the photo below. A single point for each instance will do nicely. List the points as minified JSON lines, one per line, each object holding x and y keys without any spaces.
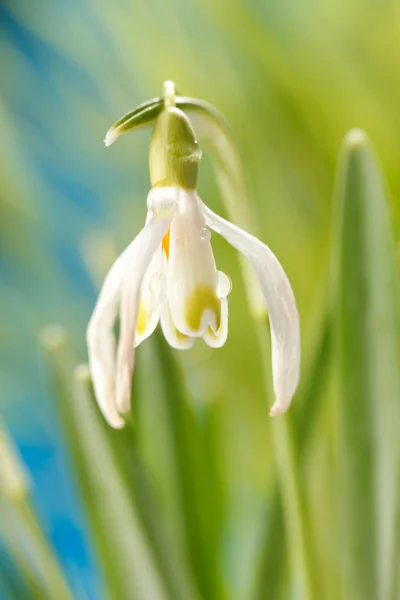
{"x":202,"y":298}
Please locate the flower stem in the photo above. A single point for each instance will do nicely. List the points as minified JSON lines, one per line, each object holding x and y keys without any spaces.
{"x":169,"y":94}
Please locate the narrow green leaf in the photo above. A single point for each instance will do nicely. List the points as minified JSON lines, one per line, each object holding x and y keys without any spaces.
{"x":41,"y":554}
{"x":272,"y":560}
{"x":21,"y":531}
{"x":119,"y":538}
{"x":192,"y":473}
{"x":28,"y":577}
{"x":163,"y":538}
{"x":368,"y":368}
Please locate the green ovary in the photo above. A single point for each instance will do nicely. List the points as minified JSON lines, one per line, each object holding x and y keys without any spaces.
{"x":201,"y":299}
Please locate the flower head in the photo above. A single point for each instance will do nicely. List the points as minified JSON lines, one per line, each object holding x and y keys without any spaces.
{"x":168,"y":275}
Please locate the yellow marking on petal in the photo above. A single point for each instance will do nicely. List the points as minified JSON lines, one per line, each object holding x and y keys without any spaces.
{"x":165,"y":243}
{"x":202,"y":298}
{"x":141,"y":322}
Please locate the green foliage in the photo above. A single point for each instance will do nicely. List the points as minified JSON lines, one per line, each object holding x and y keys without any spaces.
{"x":367,"y":352}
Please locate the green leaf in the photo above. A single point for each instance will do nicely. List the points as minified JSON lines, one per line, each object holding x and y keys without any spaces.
{"x":273,"y":555}
{"x":368,"y":367}
{"x":193,"y":476}
{"x":22,"y":532}
{"x":122,"y":546}
{"x":28,"y":586}
{"x":144,"y":483}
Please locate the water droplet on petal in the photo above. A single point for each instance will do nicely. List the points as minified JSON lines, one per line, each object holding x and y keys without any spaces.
{"x":224,"y":285}
{"x":156,"y":285}
{"x":205,"y":234}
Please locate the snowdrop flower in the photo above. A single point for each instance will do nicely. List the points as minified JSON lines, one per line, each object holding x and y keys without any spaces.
{"x":168,"y":275}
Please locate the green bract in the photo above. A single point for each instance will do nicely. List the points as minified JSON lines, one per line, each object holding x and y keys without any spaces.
{"x":143,"y":115}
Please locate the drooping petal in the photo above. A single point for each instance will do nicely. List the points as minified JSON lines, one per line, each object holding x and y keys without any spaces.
{"x":151,"y":297}
{"x":191,"y":271}
{"x":145,"y":244}
{"x":175,"y":338}
{"x":281,"y":304}
{"x":101,"y":340}
{"x":217,"y":339}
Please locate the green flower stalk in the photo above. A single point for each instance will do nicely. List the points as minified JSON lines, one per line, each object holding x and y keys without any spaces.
{"x":168,"y":273}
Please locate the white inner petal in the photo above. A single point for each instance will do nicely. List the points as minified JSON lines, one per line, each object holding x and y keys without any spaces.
{"x":192,"y":275}
{"x":175,"y":338}
{"x":216,"y":339}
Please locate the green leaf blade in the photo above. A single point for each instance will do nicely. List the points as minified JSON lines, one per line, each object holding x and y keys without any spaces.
{"x":367,"y":351}
{"x":123,"y":549}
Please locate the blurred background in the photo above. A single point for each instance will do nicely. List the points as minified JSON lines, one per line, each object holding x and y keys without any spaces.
{"x":291,"y":79}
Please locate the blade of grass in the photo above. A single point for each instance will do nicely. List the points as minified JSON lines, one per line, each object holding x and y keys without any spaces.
{"x":122,"y":547}
{"x":368,"y":368}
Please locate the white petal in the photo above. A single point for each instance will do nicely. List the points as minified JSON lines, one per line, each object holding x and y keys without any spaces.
{"x":218,"y":339}
{"x":191,"y":272}
{"x":152,"y":293}
{"x":283,"y":315}
{"x":145,"y":244}
{"x":175,"y":338}
{"x":101,"y":340}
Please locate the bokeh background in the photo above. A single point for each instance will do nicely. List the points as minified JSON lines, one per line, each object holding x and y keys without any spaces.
{"x":291,"y":78}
